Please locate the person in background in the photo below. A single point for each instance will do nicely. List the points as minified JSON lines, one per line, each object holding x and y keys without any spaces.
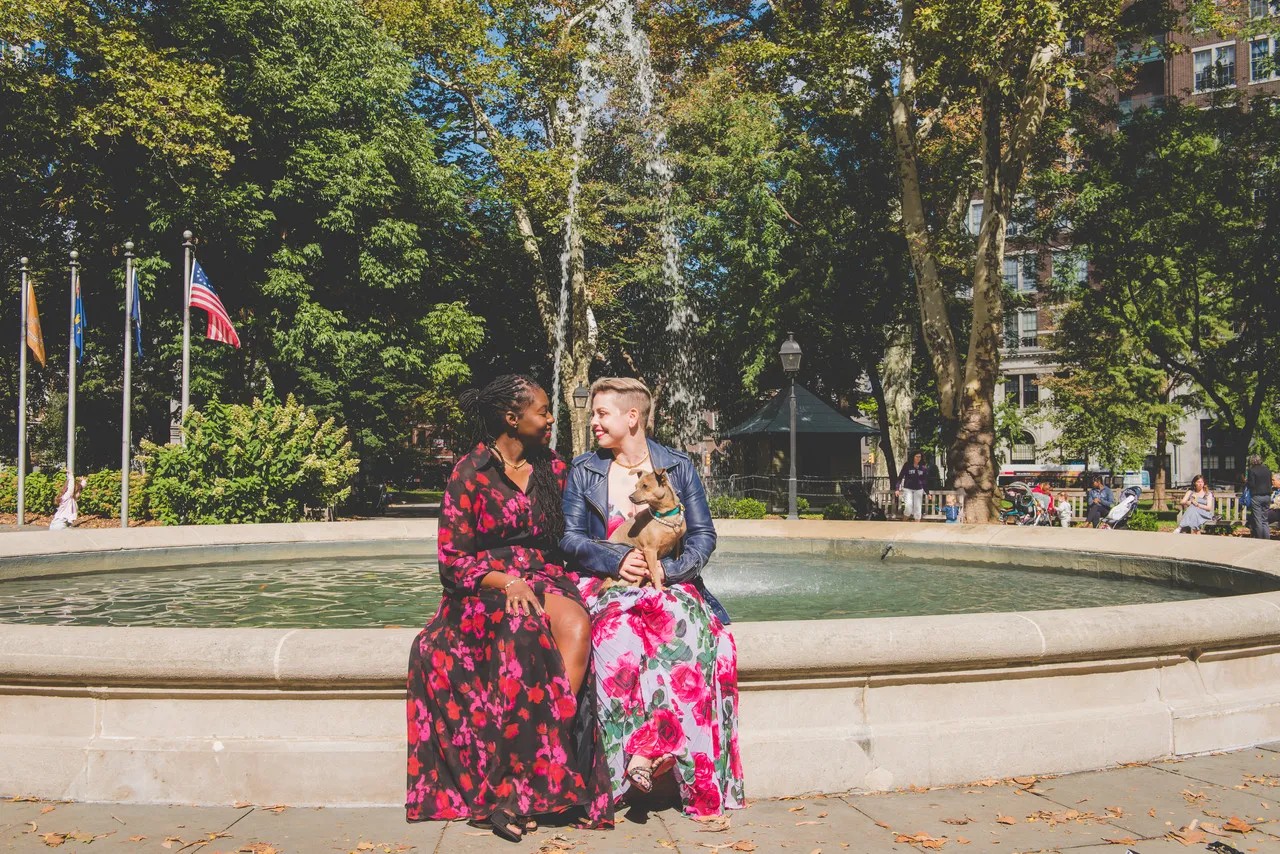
{"x":913,"y":486}
{"x":1098,"y":502}
{"x":1198,"y":501}
{"x":1063,"y":503}
{"x":1258,"y":482}
{"x":68,"y":509}
{"x":1273,"y":515}
{"x":951,"y":511}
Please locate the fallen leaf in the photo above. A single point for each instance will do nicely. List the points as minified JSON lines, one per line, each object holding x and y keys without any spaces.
{"x":988,"y":783}
{"x":239,"y":805}
{"x":1189,"y":835}
{"x":822,"y":815}
{"x":53,"y":840}
{"x":1115,"y":812}
{"x":743,"y":845}
{"x":958,"y":821}
{"x":137,"y":838}
{"x":1123,"y":840}
{"x":170,"y":841}
{"x":882,"y":824}
{"x":799,"y":823}
{"x":1005,"y":819}
{"x":960,"y":840}
{"x":1193,"y":797}
{"x":1235,"y":824}
{"x":714,"y":824}
{"x":360,"y":846}
{"x":1025,"y":781}
{"x":46,"y":810}
{"x":666,"y":843}
{"x":792,"y":809}
{"x":257,"y":848}
{"x":275,"y":808}
{"x":1152,"y":812}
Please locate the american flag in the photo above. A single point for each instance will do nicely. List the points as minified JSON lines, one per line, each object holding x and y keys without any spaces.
{"x":204,"y":296}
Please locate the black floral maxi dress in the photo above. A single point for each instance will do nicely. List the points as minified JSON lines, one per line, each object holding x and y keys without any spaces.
{"x":492,"y":721}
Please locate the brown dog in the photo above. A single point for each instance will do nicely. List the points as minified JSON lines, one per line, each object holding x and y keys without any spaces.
{"x":655,"y":530}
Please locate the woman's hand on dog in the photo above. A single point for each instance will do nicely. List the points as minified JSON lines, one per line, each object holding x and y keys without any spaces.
{"x":634,"y":568}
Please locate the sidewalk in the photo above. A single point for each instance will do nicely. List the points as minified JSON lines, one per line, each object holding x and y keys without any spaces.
{"x":1233,"y":799}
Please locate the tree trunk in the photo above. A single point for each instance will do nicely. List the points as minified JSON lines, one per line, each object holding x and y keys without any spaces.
{"x":579,"y":348}
{"x":1159,"y":500}
{"x":895,"y":400}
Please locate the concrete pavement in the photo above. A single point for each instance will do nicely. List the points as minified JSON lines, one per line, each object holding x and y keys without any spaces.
{"x":1225,"y":803}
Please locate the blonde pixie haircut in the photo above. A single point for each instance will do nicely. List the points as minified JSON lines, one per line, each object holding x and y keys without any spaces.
{"x":633,"y":393}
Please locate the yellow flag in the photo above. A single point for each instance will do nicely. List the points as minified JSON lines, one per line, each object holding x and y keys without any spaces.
{"x":35,"y":338}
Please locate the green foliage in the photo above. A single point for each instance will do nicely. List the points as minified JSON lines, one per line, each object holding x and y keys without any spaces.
{"x":1141,"y":520}
{"x":101,"y":495}
{"x":749,"y":508}
{"x":802,"y":504}
{"x":264,"y":462}
{"x":839,"y":510}
{"x":721,"y":506}
{"x":41,"y":490}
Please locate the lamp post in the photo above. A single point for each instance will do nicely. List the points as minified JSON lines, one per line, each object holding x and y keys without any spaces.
{"x":581,"y":395}
{"x":790,"y":355}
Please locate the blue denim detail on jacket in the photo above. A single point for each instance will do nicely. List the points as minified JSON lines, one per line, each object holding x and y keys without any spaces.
{"x":586,"y":502}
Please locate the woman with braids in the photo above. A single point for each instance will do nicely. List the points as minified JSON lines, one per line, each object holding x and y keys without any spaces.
{"x":495,"y":729}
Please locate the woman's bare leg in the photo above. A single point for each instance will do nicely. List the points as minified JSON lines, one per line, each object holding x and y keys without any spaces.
{"x":571,"y":628}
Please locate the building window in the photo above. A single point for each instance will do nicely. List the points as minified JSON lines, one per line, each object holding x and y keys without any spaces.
{"x":1030,"y":390}
{"x":1021,"y":329}
{"x":1075,"y":45}
{"x":1263,"y":59}
{"x":975,"y":218}
{"x":1215,"y":67}
{"x":1069,"y":267}
{"x":1264,"y":8}
{"x":1021,"y":273}
{"x":1023,"y":450}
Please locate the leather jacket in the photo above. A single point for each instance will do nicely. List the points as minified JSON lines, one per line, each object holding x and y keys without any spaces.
{"x":586,"y":502}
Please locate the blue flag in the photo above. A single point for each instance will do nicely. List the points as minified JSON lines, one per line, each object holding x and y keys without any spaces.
{"x":77,"y":326}
{"x":137,"y":313}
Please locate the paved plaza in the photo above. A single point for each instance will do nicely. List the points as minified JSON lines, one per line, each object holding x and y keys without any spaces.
{"x":1228,"y":802}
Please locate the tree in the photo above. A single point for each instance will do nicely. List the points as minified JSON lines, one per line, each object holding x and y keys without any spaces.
{"x":1178,"y":209}
{"x":992,"y":74}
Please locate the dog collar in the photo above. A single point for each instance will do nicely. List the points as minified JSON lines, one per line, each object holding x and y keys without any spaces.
{"x":679,"y":508}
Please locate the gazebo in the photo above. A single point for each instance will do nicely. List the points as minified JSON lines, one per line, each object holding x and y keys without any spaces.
{"x":828,"y":444}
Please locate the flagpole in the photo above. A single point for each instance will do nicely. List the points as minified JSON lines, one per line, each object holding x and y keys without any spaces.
{"x":71,"y":371}
{"x":187,"y":251}
{"x":128,"y":391}
{"x":22,"y":400}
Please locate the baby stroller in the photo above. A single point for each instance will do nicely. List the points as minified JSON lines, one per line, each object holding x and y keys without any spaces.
{"x":865,"y":508}
{"x":1118,"y":516}
{"x":1021,"y":503}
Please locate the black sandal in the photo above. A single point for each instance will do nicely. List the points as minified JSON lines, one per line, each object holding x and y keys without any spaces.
{"x":506,"y":825}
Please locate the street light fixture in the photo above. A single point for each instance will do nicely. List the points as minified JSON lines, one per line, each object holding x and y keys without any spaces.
{"x":581,"y":395}
{"x":790,"y":355}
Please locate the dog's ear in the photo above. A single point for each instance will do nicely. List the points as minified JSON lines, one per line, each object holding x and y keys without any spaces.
{"x":661,"y":475}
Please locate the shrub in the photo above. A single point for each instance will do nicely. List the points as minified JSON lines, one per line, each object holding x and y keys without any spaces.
{"x":749,"y":508}
{"x":101,"y":495}
{"x":1141,"y":520}
{"x":839,"y":510}
{"x":41,"y":490}
{"x":263,"y":462}
{"x":722,"y":506}
{"x":802,"y":505}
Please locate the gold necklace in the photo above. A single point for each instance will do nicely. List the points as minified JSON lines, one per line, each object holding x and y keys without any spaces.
{"x":513,"y":466}
{"x":634,"y":465}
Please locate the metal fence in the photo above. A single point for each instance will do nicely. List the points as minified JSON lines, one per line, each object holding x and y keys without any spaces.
{"x":772,"y":489}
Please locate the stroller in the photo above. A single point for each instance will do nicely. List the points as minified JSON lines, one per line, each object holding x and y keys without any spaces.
{"x":1022,"y":508}
{"x":1118,"y":516}
{"x":865,"y":508}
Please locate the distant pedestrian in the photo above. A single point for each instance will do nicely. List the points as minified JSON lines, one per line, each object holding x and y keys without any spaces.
{"x":1098,"y":501}
{"x":68,"y":509}
{"x":1258,"y":482}
{"x":913,"y":486}
{"x":1273,"y":515}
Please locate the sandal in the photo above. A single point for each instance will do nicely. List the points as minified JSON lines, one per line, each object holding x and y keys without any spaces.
{"x":641,"y":775}
{"x":529,"y":823}
{"x":506,"y":825}
{"x":662,"y":765}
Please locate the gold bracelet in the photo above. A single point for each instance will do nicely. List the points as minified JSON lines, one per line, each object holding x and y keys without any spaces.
{"x":509,"y":583}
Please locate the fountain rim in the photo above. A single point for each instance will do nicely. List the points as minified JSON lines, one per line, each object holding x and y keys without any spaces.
{"x":309,"y":660}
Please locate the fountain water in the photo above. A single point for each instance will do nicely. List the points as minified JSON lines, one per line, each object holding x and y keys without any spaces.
{"x":614,"y":28}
